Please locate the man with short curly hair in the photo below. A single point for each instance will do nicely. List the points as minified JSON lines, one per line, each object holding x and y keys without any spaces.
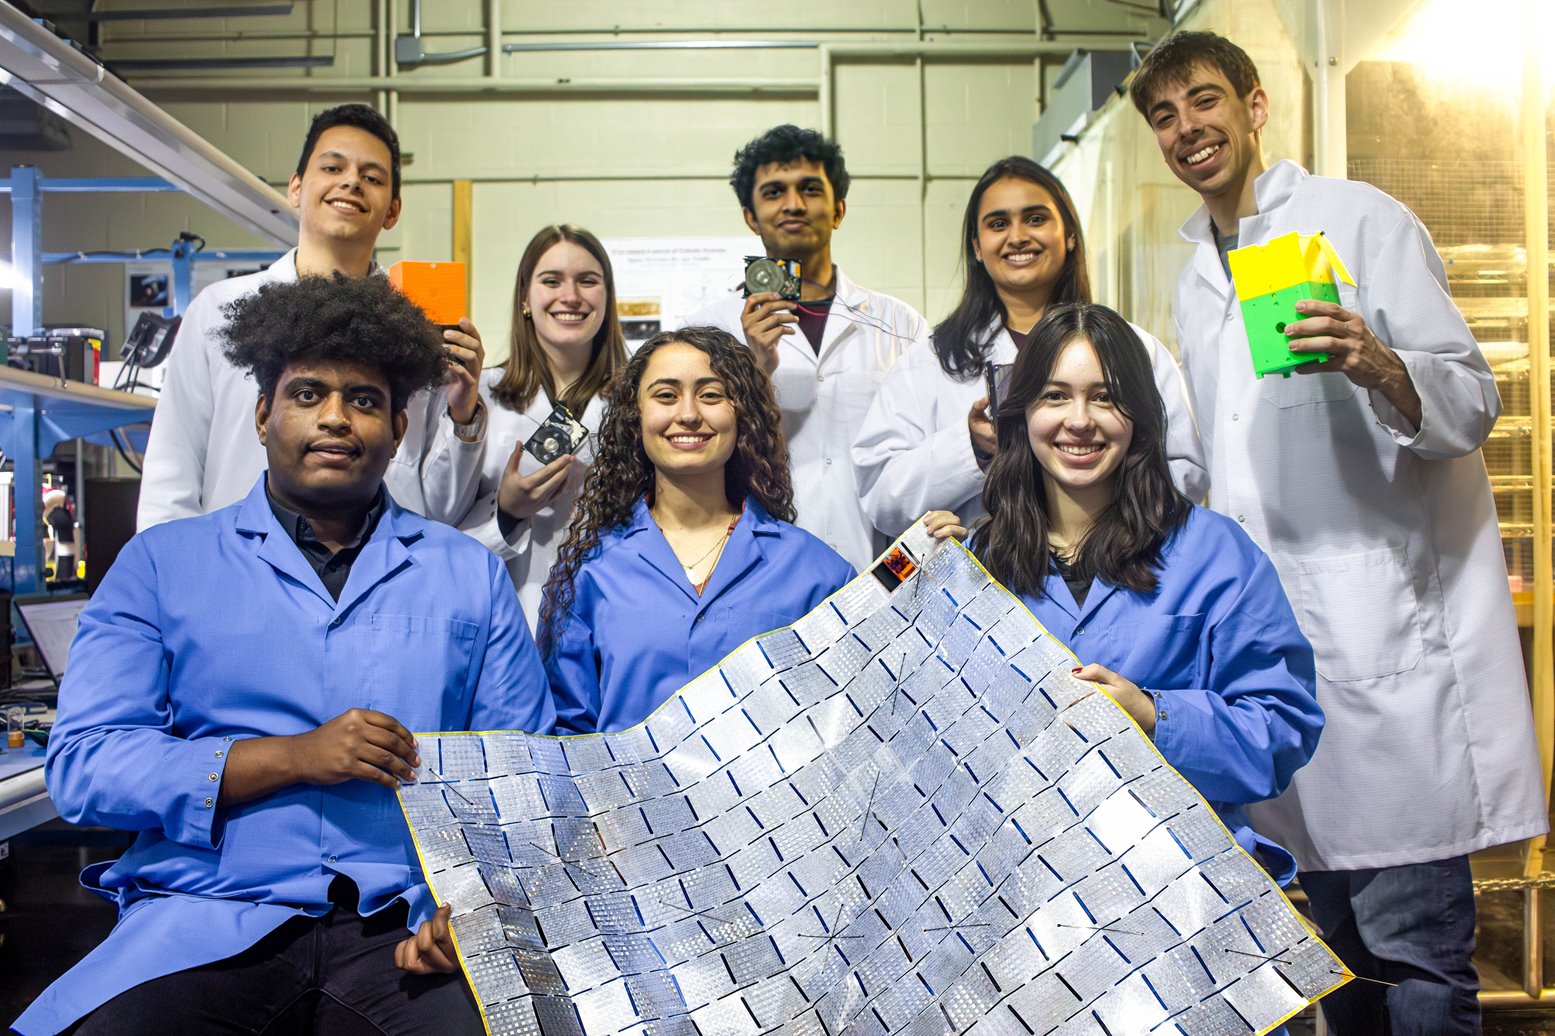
{"x":200,"y":456}
{"x":242,"y":693}
{"x":792,"y":185}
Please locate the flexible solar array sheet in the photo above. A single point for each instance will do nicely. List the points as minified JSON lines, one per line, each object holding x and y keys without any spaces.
{"x":900,"y":815}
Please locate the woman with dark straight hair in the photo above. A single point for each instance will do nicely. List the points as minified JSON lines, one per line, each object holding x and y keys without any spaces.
{"x":544,"y":403}
{"x":1173,"y":610}
{"x":929,"y":434}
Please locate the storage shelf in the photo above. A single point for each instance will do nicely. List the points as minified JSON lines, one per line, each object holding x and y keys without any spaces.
{"x":37,"y":412}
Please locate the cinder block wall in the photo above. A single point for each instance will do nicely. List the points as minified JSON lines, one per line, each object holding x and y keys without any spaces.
{"x":636,"y":161}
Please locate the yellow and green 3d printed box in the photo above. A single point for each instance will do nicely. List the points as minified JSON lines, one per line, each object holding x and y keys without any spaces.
{"x":1270,"y":279}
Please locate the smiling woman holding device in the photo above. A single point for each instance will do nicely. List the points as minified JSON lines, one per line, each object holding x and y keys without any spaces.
{"x":545,"y":403}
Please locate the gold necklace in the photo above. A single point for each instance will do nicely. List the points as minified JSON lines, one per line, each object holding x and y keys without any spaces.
{"x":691,"y":568}
{"x":718,"y":545}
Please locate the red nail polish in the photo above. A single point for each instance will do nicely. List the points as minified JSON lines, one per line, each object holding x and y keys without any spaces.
{"x":1077,"y":668}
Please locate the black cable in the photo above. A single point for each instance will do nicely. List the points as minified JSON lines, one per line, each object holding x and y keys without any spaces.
{"x":113,"y":433}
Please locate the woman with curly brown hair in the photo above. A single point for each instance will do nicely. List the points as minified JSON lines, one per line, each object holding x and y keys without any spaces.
{"x":682,"y":545}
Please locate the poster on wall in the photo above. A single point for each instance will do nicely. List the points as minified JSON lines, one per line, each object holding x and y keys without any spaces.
{"x":661,"y":282}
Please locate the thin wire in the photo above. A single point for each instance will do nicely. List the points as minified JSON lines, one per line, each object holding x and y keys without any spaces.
{"x":863,"y":319}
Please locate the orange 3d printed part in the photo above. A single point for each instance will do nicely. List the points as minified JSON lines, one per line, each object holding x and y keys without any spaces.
{"x":438,"y":288}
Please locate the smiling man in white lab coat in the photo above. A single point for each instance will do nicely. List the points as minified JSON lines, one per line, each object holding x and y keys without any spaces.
{"x":1361,"y":477}
{"x":827,"y":351}
{"x":202,"y":454}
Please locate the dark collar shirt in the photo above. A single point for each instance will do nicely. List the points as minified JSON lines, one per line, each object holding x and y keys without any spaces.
{"x":333,"y":569}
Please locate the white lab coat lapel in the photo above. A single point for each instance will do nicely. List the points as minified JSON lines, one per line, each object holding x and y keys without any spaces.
{"x":849,"y":305}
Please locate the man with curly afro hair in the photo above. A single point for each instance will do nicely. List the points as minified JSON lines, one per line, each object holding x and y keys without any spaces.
{"x":242,"y":692}
{"x":346,"y":191}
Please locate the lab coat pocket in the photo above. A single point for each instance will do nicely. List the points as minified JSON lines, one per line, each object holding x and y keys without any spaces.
{"x":422,"y":664}
{"x":1361,"y":613}
{"x":1154,"y":650}
{"x":732,"y":626}
{"x":1303,"y":389}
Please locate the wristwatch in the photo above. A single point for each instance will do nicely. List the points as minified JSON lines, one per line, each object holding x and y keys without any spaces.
{"x":475,"y":430}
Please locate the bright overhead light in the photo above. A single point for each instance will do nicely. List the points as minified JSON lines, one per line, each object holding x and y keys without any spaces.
{"x":1484,"y":51}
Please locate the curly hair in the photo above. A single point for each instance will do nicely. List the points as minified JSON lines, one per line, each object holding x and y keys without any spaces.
{"x":621,"y":474}
{"x":1123,"y":546}
{"x":527,"y":371}
{"x":962,"y":341}
{"x":785,"y":145}
{"x":1172,"y":61}
{"x":336,"y":319}
{"x":362,"y":117}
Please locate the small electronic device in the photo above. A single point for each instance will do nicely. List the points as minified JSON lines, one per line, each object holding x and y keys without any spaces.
{"x":66,"y":353}
{"x":150,"y":339}
{"x":996,"y":377}
{"x":763,"y":273}
{"x":557,"y":436}
{"x":896,"y":567}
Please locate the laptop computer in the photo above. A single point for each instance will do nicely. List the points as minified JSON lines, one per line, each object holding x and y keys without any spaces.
{"x":50,"y":620}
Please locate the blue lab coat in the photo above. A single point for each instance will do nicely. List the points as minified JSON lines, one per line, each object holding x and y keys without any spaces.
{"x":1218,"y":646}
{"x":638,"y":632}
{"x":213,"y":629}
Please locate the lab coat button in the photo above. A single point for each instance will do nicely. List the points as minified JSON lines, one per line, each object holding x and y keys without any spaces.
{"x":213,"y":777}
{"x":699,"y":618}
{"x":209,"y":802}
{"x":828,"y":461}
{"x":1236,"y":417}
{"x":1241,"y":518}
{"x":1080,"y":632}
{"x":332,"y":859}
{"x":820,"y":377}
{"x":218,"y":753}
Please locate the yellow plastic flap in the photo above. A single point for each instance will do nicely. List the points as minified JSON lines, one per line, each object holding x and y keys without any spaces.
{"x":1285,"y":262}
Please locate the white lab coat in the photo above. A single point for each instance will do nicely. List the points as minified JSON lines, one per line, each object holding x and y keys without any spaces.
{"x":531,"y":550}
{"x":914,"y":453}
{"x":204,"y":453}
{"x":824,"y":399}
{"x":1385,"y":538}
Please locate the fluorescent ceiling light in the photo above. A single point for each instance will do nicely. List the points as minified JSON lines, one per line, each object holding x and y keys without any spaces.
{"x":53,"y":73}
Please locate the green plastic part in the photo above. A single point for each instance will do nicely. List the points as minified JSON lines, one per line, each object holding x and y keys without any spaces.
{"x":1265,"y":318}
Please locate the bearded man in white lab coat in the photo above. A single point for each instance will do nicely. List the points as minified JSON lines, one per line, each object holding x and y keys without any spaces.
{"x":827,"y":351}
{"x":1361,"y":477}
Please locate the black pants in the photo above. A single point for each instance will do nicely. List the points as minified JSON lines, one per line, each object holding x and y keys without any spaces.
{"x":329,"y":975}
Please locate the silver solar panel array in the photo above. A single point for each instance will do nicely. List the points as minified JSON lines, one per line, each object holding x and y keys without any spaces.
{"x":902,"y":814}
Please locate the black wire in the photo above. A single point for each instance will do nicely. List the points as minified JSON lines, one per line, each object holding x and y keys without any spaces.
{"x":113,"y":433}
{"x":863,"y":319}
